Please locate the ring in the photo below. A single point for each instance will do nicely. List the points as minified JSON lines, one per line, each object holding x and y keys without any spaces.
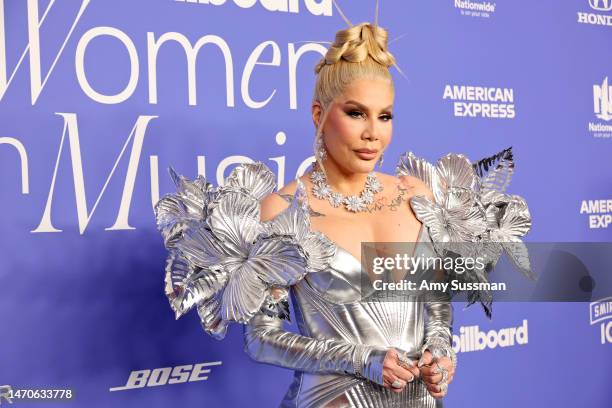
{"x":443,"y":387}
{"x":444,"y":376}
{"x":404,"y":361}
{"x":397,"y":384}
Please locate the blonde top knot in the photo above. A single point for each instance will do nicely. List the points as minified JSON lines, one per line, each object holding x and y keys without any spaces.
{"x":356,"y":44}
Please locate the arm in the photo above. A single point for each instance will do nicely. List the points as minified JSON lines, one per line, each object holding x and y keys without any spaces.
{"x":267,"y":342}
{"x":439,"y":309}
{"x":438,"y":334}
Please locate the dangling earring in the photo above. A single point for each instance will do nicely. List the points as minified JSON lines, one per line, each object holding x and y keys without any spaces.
{"x":320,"y":151}
{"x":380,"y":161}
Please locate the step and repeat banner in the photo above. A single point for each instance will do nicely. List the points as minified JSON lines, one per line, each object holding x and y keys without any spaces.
{"x":99,"y":97}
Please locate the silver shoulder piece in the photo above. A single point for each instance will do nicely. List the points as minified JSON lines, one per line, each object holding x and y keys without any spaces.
{"x":472,"y":215}
{"x":222,"y":259}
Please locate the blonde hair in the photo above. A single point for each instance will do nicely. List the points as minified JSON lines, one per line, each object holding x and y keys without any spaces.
{"x":358,"y":52}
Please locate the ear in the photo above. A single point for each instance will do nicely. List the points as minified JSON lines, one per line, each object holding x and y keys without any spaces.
{"x":316,"y":113}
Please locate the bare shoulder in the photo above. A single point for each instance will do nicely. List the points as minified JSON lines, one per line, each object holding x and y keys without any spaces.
{"x":273,"y":204}
{"x":415,"y":186}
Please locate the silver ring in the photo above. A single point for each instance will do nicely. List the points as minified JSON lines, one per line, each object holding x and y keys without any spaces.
{"x":397,"y":384}
{"x":404,"y":361}
{"x":444,"y":376}
{"x":443,"y":387}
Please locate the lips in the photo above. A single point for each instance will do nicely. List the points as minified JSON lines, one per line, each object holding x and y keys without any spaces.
{"x":366,"y":154}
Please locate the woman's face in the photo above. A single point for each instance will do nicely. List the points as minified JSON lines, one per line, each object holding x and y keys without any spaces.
{"x":360,"y":118}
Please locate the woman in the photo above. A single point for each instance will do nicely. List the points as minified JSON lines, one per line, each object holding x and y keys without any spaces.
{"x":352,"y":111}
{"x":238,"y":252}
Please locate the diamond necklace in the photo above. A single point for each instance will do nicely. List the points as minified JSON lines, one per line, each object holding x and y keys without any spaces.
{"x":323,"y":191}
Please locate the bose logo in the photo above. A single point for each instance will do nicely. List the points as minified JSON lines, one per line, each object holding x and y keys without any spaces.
{"x":166,"y":375}
{"x":317,"y":8}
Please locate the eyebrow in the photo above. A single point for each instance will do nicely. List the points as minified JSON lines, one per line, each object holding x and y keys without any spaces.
{"x":361,"y":106}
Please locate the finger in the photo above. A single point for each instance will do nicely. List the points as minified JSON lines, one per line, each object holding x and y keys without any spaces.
{"x":413,"y":370}
{"x":433,"y":378}
{"x":389,"y":384}
{"x":408,"y":364}
{"x":403,"y":374}
{"x":437,"y":391}
{"x":426,"y":359}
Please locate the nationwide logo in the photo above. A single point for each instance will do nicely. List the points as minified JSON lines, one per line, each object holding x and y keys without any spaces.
{"x":167,"y":375}
{"x":599,"y":211}
{"x":602,"y":108}
{"x":315,"y":7}
{"x":475,"y":8}
{"x":470,"y":338}
{"x":597,"y":18}
{"x":600,"y":313}
{"x":480,"y":101}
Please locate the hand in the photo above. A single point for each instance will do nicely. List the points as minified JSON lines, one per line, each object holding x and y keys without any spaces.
{"x":393,"y":371}
{"x":431,"y":378}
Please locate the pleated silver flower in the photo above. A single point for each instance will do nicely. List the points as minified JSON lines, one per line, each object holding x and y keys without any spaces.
{"x":223,"y":259}
{"x":471,"y":215}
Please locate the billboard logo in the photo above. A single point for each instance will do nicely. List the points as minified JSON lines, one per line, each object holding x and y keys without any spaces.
{"x":316,"y":8}
{"x":601,"y":313}
{"x":166,"y":375}
{"x":472,"y":339}
{"x":601,"y":5}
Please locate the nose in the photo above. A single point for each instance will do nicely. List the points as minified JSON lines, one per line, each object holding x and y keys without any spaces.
{"x":370,"y":132}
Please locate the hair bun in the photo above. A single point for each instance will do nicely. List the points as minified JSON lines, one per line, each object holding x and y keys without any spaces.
{"x":356,"y":44}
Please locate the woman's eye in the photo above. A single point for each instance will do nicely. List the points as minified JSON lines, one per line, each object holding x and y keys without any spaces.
{"x":355,"y":114}
{"x":387,"y":117}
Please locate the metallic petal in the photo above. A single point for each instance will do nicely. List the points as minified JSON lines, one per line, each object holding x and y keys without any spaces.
{"x":202,"y":248}
{"x":193,"y":194}
{"x":411,"y":165}
{"x":519,"y":255}
{"x":170,"y":214}
{"x":244,"y":294}
{"x":186,"y":285}
{"x":455,"y":170}
{"x":278,"y":260}
{"x":320,"y":251}
{"x":295,"y":220}
{"x":495,"y":172}
{"x":256,"y":178}
{"x":432,"y":215}
{"x":516,"y":220}
{"x":235,"y":220}
{"x":210,"y":317}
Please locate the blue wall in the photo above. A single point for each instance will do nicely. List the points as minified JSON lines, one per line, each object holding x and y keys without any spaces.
{"x":90,"y":119}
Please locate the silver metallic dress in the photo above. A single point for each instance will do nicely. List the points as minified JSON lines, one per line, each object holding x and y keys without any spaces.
{"x":234,"y":268}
